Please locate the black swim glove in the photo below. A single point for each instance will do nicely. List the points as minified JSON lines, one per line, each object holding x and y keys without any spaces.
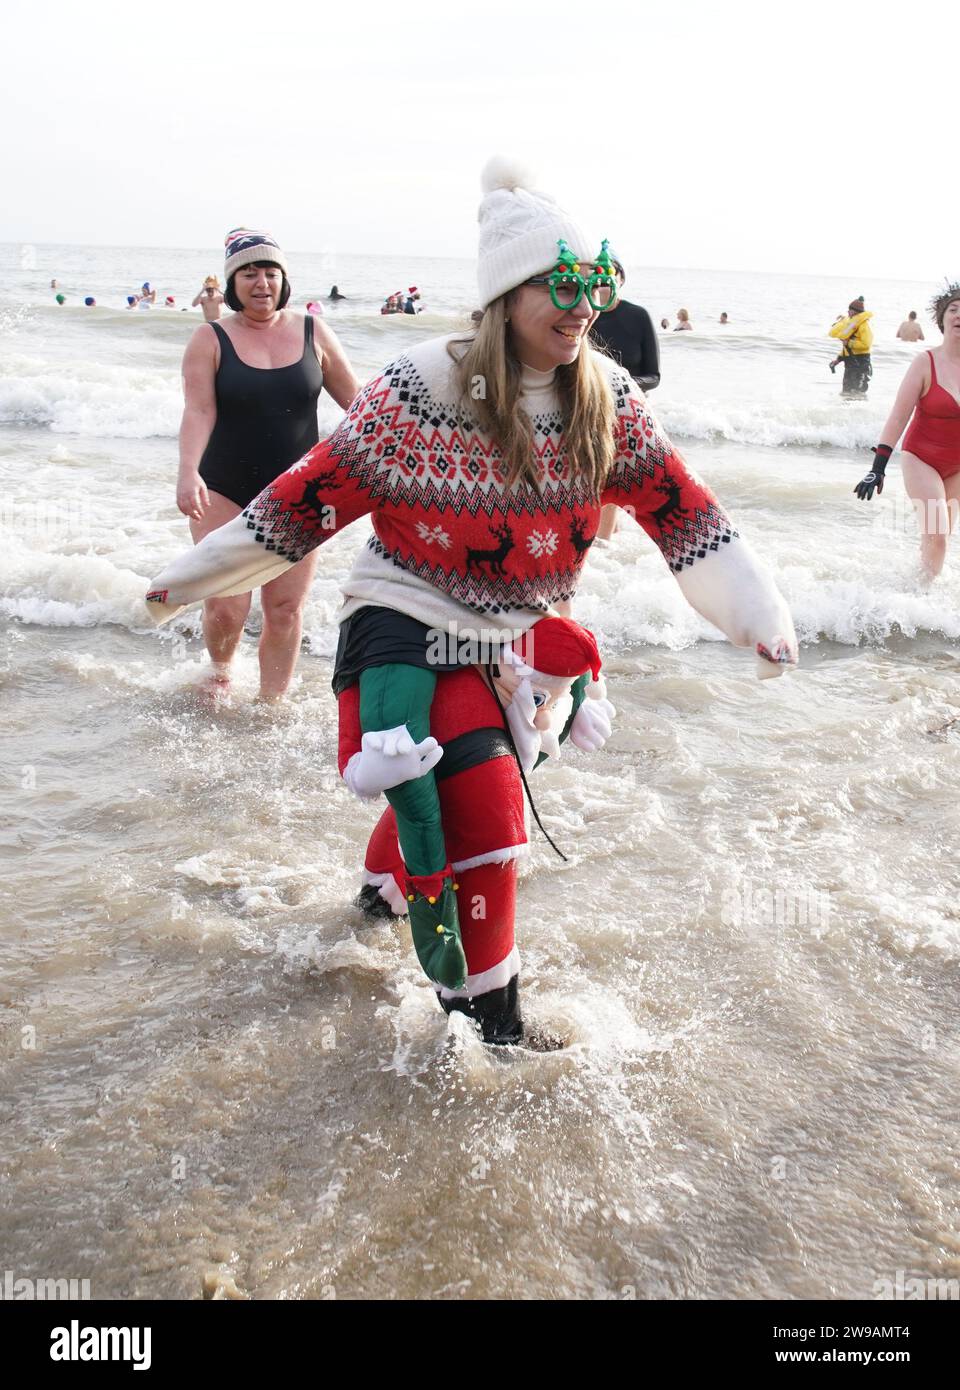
{"x":874,"y":479}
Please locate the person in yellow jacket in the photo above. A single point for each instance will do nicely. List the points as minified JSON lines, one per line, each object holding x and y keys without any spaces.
{"x":855,"y":333}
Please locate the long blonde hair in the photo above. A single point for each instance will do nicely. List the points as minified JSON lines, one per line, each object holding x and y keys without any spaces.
{"x":586,"y":403}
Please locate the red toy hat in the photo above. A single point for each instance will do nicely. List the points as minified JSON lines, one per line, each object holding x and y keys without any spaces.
{"x":559,"y":647}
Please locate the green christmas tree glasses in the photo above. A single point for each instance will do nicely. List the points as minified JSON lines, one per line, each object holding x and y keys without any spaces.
{"x":568,"y":285}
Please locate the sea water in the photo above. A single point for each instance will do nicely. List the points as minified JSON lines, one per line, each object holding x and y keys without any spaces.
{"x":218,"y":1081}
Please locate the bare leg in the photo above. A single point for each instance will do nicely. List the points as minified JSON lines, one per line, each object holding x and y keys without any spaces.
{"x":223,"y":618}
{"x":935,"y":509}
{"x":608,"y":522}
{"x":283,"y":601}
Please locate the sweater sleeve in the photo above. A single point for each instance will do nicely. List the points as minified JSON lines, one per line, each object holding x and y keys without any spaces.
{"x":340,"y":479}
{"x":718,"y":572}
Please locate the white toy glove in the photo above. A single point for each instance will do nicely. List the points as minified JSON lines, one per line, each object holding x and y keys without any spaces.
{"x":387,"y":758}
{"x":592,"y":724}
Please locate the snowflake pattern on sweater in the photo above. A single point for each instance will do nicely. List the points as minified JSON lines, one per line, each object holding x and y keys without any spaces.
{"x":409,"y":454}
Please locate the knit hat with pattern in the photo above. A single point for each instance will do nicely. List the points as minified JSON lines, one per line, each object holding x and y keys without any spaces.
{"x":244,"y":247}
{"x":519,"y":230}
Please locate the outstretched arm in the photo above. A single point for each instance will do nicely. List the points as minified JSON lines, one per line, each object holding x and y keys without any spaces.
{"x":719,"y":573}
{"x":340,"y":479}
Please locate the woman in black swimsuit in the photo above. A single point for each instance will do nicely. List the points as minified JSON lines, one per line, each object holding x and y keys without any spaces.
{"x":250,"y":389}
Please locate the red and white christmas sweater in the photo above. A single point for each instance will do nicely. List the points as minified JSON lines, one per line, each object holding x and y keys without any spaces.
{"x":452,"y":545}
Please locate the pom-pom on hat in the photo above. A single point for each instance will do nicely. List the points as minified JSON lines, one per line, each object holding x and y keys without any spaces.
{"x":244,"y":247}
{"x":559,"y":647}
{"x":519,"y":230}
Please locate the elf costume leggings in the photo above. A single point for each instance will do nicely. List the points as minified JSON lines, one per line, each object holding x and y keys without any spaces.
{"x":481,"y":807}
{"x":390,"y":696}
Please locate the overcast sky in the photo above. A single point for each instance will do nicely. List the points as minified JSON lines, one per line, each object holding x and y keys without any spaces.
{"x":808,"y":137}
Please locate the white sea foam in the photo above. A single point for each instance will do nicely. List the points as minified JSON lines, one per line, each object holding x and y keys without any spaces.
{"x":52,"y":590}
{"x":99,"y":401}
{"x":84,"y":398}
{"x":844,"y":425}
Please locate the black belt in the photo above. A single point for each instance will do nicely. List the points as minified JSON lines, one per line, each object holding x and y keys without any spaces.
{"x":471,"y":749}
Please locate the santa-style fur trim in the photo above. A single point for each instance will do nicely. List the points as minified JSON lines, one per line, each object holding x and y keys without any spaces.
{"x":389,"y":890}
{"x":495,"y":856}
{"x":497,"y":977}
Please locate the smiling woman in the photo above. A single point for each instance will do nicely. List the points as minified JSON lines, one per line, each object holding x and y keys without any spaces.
{"x":484,"y":462}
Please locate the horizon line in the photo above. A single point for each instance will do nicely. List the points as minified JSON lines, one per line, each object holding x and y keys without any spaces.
{"x":361,"y":255}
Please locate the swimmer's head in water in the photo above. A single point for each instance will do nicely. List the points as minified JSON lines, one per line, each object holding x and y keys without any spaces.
{"x":61,"y":299}
{"x":131,"y":299}
{"x":90,"y":302}
{"x":942,"y":301}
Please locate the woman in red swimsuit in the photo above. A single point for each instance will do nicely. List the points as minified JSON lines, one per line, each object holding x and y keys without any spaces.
{"x":930,"y":393}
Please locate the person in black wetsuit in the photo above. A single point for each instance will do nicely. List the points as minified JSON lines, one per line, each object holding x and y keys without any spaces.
{"x":626,"y":333}
{"x":629,"y":338}
{"x":251,"y":385}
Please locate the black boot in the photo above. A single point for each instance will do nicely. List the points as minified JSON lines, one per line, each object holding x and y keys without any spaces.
{"x":373,"y":905}
{"x":497,"y":1012}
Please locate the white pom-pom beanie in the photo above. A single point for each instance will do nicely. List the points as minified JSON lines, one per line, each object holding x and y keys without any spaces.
{"x":519,"y":230}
